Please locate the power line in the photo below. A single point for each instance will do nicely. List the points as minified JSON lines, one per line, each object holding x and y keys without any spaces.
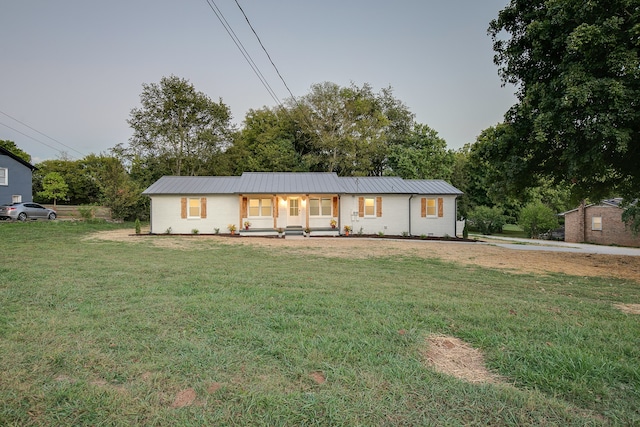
{"x":30,"y":137}
{"x":265,"y":50}
{"x":36,"y":130}
{"x":242,"y":49}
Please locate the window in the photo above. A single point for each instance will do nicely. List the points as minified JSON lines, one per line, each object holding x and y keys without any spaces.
{"x":194,"y":208}
{"x":16,"y":198}
{"x":369,"y":207}
{"x":320,"y":207}
{"x":4,"y":176}
{"x":431,"y":207}
{"x":259,"y":207}
{"x":596,"y":223}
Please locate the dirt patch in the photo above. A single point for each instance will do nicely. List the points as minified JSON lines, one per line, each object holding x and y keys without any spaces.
{"x":452,"y":356}
{"x":628,"y":308}
{"x":318,"y":377}
{"x":515,"y":261}
{"x":184,"y":398}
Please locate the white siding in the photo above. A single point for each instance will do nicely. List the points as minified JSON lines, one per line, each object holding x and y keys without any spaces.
{"x":222,"y":210}
{"x":434,"y":226}
{"x":394,"y":219}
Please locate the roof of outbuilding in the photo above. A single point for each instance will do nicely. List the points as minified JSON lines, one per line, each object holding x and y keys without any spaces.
{"x":293,"y":182}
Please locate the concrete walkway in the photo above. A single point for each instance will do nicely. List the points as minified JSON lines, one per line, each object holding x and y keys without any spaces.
{"x":555,"y":246}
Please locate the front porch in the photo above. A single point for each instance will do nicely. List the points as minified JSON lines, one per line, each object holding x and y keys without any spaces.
{"x":289,"y":214}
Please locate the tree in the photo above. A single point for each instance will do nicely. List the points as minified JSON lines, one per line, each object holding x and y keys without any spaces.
{"x":53,"y":187}
{"x":421,"y":155}
{"x":348,"y":130}
{"x":178,"y":127}
{"x":118,"y":191}
{"x":11,"y":146}
{"x":536,"y":218}
{"x":577,"y":69}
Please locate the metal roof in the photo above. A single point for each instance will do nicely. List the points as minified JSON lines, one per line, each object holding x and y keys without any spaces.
{"x":294,"y":182}
{"x":193,"y":185}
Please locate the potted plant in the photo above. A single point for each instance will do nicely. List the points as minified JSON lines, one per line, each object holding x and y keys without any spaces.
{"x":333,"y":223}
{"x":347,"y":230}
{"x":280,"y":231}
{"x":232,"y":228}
{"x":247,"y":224}
{"x":307,"y":231}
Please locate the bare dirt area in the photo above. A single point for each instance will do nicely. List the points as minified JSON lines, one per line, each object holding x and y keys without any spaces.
{"x":452,"y":356}
{"x":484,"y":255}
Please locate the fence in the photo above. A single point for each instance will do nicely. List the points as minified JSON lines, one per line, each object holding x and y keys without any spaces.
{"x":73,"y":211}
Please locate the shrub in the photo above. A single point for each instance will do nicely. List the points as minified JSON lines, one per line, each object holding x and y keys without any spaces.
{"x":536,"y":218}
{"x":487,"y":220}
{"x":137,"y":226}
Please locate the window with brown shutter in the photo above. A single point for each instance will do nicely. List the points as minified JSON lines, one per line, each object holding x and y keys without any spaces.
{"x":440,"y":207}
{"x":183,"y":207}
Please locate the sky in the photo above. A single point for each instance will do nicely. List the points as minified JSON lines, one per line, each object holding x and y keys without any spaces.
{"x":71,"y":71}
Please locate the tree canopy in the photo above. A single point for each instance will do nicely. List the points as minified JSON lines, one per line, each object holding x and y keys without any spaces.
{"x":180,"y":129}
{"x":13,"y":148}
{"x":577,"y":69}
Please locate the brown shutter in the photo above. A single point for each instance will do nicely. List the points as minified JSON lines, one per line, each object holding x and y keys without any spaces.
{"x":440,"y":207}
{"x":274,"y":206}
{"x":378,"y":206}
{"x":183,"y":207}
{"x":244,"y":208}
{"x":335,"y":206}
{"x":360,"y":207}
{"x":423,"y":207}
{"x":203,"y":207}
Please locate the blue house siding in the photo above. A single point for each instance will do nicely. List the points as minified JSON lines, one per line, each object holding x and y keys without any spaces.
{"x":18,"y":177}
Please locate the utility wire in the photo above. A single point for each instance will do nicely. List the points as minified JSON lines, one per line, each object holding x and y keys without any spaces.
{"x":30,"y":137}
{"x":265,"y":51}
{"x":36,"y":130}
{"x":243,"y":51}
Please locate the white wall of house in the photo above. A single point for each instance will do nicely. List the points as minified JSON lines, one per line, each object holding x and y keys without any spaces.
{"x":222,"y":210}
{"x":395,"y":216}
{"x":394,"y":219}
{"x":433,"y":225}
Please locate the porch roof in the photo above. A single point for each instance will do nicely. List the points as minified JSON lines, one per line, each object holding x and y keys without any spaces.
{"x":296,"y":183}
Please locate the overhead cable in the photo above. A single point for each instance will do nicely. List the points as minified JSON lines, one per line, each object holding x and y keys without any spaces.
{"x":36,"y":130}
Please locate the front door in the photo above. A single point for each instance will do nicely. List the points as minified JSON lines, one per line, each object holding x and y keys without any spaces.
{"x":293,"y":217}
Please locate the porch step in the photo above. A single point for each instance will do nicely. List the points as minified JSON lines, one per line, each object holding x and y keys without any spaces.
{"x":294,"y":230}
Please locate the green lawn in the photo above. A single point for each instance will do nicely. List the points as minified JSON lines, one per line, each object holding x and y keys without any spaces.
{"x":96,"y":332}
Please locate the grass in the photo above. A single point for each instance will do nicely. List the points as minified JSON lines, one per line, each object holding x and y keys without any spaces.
{"x":97,"y":332}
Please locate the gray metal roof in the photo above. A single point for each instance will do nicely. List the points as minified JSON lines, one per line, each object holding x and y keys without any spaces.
{"x":288,"y":182}
{"x":293,"y":182}
{"x":193,"y":185}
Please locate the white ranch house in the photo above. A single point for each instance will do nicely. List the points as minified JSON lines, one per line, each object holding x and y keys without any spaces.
{"x":297,"y":201}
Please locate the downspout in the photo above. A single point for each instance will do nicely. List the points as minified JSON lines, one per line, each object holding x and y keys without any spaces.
{"x":455,"y":217}
{"x":339,"y":214}
{"x":410,"y":197}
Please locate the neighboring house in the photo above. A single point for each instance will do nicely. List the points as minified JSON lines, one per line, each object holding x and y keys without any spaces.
{"x":295,"y":201}
{"x":599,"y":223}
{"x":15,"y":178}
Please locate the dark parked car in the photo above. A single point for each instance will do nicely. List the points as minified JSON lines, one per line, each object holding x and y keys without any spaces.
{"x":24,"y":211}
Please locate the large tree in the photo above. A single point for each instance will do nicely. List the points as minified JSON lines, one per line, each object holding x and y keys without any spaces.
{"x":179,"y":127}
{"x":576,"y":66}
{"x":348,"y":129}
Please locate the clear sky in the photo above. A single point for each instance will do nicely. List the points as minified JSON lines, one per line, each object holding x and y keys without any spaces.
{"x":74,"y":69}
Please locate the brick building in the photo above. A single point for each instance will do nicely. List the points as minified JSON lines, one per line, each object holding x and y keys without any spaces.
{"x":599,"y":223}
